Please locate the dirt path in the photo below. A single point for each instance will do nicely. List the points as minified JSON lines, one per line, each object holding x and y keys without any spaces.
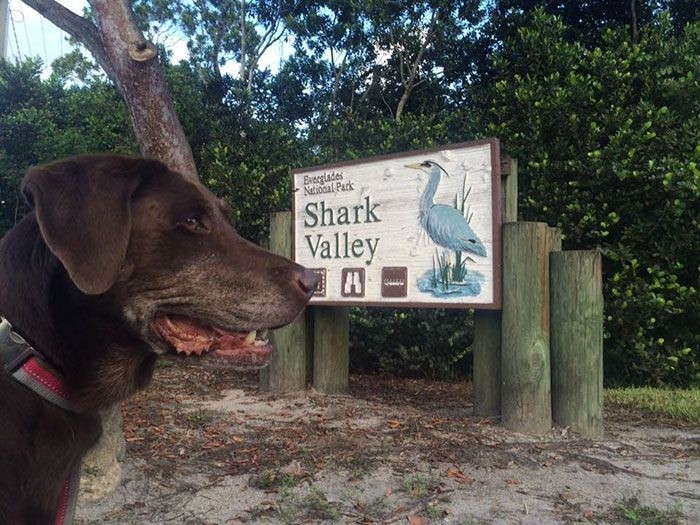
{"x":204,"y":447}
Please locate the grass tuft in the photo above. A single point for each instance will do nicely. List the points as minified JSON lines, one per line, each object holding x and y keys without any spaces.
{"x":420,"y":485}
{"x":318,"y":506}
{"x":676,"y":404}
{"x":634,"y":513}
{"x":201,"y":417}
{"x":272,"y":479}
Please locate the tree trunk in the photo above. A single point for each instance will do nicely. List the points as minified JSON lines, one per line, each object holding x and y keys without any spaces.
{"x":243,"y":43}
{"x":132,"y":64}
{"x":402,"y":104}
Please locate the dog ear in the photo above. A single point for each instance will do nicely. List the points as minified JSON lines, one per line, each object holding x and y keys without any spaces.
{"x":83,"y":207}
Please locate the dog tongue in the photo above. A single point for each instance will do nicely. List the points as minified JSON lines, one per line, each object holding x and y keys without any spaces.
{"x":190,"y":337}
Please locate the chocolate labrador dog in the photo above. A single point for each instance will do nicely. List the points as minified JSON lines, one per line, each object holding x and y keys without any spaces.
{"x":121,"y":260}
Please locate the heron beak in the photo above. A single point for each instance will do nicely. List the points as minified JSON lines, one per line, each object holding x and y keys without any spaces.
{"x":415,"y":166}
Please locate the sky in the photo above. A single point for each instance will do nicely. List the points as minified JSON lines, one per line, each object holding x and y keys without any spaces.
{"x":32,"y":35}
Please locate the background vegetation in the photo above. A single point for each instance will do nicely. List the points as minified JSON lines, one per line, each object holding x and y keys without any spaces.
{"x":600,"y":103}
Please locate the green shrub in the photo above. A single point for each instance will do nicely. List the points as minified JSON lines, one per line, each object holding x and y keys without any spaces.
{"x":608,"y":143}
{"x":411,"y":342}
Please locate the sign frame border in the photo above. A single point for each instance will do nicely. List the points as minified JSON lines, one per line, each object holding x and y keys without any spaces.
{"x":496,"y":221}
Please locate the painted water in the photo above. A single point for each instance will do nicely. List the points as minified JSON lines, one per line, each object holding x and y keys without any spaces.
{"x":470,"y":286}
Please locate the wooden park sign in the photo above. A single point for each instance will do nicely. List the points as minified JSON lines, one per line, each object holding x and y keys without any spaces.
{"x":421,"y":228}
{"x":424,"y":228}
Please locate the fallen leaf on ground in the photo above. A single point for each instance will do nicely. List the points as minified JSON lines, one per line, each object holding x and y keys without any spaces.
{"x":458,"y":475}
{"x":417,"y":520}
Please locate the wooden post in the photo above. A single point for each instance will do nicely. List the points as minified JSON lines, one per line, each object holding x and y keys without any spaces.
{"x":309,"y":343}
{"x":577,"y":340}
{"x":287,"y":369}
{"x":526,"y":394}
{"x":486,"y":376}
{"x":509,"y":192}
{"x":331,"y":349}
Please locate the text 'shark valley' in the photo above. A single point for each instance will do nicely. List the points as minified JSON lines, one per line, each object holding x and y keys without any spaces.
{"x":339,"y":245}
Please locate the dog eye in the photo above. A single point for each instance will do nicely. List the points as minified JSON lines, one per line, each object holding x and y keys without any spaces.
{"x":193,"y":223}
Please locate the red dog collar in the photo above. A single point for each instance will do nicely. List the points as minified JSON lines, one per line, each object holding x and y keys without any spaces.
{"x":27,"y":366}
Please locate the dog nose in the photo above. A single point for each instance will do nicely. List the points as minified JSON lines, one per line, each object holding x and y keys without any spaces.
{"x":307,"y":281}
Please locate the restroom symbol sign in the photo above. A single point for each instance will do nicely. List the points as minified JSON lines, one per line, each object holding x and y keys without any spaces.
{"x":352,"y":282}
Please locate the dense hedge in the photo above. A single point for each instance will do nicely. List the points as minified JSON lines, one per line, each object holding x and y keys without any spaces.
{"x":411,"y":343}
{"x":608,"y":138}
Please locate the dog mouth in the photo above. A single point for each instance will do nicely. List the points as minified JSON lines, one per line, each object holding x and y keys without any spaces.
{"x":189,"y":336}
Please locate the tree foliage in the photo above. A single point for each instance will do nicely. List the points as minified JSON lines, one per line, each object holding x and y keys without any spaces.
{"x":43,"y":120}
{"x":609,"y":139}
{"x":599,"y":101}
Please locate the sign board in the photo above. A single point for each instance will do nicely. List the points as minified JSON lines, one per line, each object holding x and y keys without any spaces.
{"x":420,"y":228}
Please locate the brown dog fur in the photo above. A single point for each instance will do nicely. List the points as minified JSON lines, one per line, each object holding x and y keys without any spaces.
{"x":111,"y":242}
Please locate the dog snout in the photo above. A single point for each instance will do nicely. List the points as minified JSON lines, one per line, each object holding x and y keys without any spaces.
{"x":306,"y":280}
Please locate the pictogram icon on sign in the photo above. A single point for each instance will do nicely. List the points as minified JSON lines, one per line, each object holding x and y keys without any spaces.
{"x":320,"y":290}
{"x":352,"y":282}
{"x":394,"y":281}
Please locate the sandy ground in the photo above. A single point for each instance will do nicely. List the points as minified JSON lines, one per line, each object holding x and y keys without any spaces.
{"x":205,"y":447}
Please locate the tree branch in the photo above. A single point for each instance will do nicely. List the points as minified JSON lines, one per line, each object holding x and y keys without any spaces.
{"x":271,"y":40}
{"x":78,"y":27}
{"x":243,"y":41}
{"x":268,"y":39}
{"x":424,"y":45}
{"x":411,"y":83}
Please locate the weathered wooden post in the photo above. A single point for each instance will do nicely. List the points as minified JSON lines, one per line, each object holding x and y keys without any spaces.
{"x":287,"y":369}
{"x":486,"y":376}
{"x":526,"y":393}
{"x":577,"y":340}
{"x":331,"y":349}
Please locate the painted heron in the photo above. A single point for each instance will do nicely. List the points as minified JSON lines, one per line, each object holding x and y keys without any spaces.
{"x":446,"y":225}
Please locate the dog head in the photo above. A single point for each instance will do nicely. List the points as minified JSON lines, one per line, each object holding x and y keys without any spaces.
{"x":164,"y":252}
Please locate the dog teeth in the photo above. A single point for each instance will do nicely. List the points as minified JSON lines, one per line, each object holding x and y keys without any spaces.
{"x":250,"y":338}
{"x":260,"y":342}
{"x":263,"y":334}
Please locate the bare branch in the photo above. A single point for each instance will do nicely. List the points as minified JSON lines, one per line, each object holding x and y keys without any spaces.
{"x":411,"y":83}
{"x":264,"y":46}
{"x":419,"y":82}
{"x":78,"y":27}
{"x":424,"y":45}
{"x":243,"y":41}
{"x":269,"y":38}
